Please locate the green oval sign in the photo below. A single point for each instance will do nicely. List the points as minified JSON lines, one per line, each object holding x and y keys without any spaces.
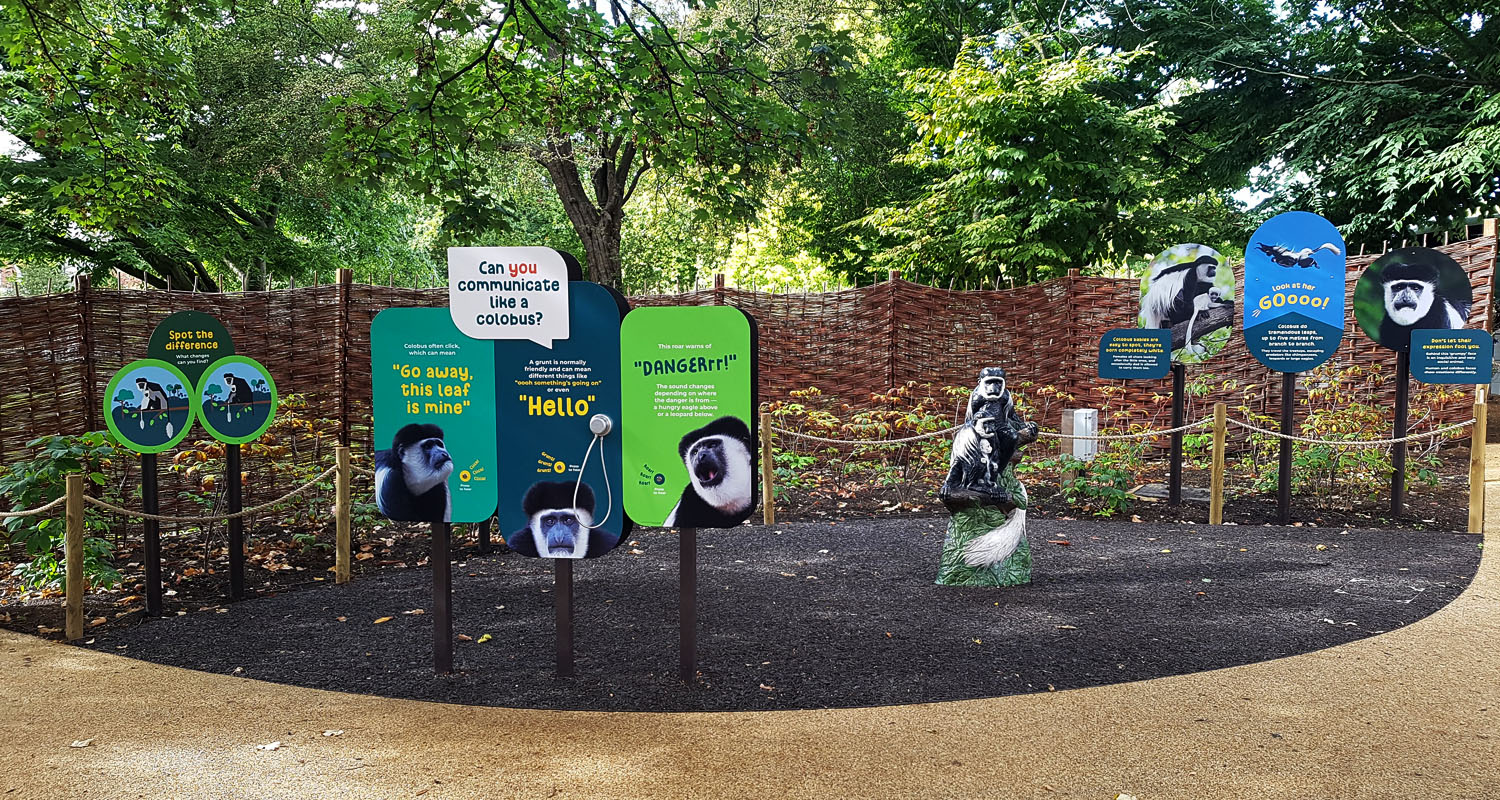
{"x":190,"y":340}
{"x":236,"y":399}
{"x":147,"y":407}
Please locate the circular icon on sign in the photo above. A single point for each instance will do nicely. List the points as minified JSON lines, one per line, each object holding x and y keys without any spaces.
{"x":1189,"y":288}
{"x":659,"y":479}
{"x":558,"y":466}
{"x":464,"y":476}
{"x":1408,"y":289}
{"x":146,"y":406}
{"x":236,"y":399}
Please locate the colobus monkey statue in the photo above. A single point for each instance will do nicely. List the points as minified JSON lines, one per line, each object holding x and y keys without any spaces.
{"x":1283,"y":257}
{"x":987,"y":502}
{"x":153,"y":398}
{"x":1413,"y":299}
{"x":411,"y":478}
{"x":1178,"y":293}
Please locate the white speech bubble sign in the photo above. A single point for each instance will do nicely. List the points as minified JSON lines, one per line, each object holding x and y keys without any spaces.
{"x":509,"y":293}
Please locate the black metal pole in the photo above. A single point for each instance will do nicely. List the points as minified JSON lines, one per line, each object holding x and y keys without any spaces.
{"x":151,"y":531}
{"x":1288,"y":428}
{"x":562,"y":601}
{"x":484,"y":537}
{"x":236,"y":524}
{"x":1179,"y":410}
{"x":442,"y":598}
{"x":1398,"y":454}
{"x":687,"y":604}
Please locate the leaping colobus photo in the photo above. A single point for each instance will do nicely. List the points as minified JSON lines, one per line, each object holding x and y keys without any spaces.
{"x":1182,"y":286}
{"x":1408,"y":289}
{"x":1304,"y":258}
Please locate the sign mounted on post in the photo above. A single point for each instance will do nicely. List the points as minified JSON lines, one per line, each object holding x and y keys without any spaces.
{"x":1411,"y":289}
{"x":235,"y":399}
{"x":509,"y":293}
{"x":1135,"y":354}
{"x":147,"y":407}
{"x":688,"y":386}
{"x":190,"y":341}
{"x":434,"y":408}
{"x":1189,"y":289}
{"x":559,"y":479}
{"x":1441,"y":356}
{"x":1294,"y":291}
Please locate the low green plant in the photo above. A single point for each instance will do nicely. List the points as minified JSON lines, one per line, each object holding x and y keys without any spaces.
{"x":1100,"y":487}
{"x":41,"y":480}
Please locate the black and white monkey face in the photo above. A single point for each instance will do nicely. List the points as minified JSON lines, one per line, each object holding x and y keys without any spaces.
{"x":425,"y":463}
{"x":1407,"y":301}
{"x":991,"y":387}
{"x":985,"y":427}
{"x":556,"y":526}
{"x":721,"y":480}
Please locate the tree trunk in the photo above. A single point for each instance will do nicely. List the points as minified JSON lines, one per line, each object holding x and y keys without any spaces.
{"x":599,"y":219}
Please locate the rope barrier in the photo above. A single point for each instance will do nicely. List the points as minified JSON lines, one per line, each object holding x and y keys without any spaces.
{"x":35,"y":511}
{"x":1145,"y":435}
{"x":212,"y":518}
{"x":1354,"y":442}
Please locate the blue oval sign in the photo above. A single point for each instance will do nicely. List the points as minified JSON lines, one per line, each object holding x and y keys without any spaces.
{"x":1294,"y":291}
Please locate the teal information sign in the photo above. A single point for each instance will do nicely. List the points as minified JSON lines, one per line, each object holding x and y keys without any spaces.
{"x":552,"y":503}
{"x":688,"y":385}
{"x":1463,"y":356}
{"x":1135,"y":353}
{"x":434,"y":404}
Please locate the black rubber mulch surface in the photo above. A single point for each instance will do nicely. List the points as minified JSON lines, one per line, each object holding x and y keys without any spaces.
{"x":814,"y":615}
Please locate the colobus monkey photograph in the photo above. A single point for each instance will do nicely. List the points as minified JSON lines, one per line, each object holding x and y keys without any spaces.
{"x":1190,"y":290}
{"x":1411,"y":288}
{"x":411,"y":478}
{"x":1304,"y":258}
{"x":720,"y":461}
{"x":556,"y":527}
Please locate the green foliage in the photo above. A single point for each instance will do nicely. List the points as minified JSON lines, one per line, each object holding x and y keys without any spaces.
{"x":41,"y":480}
{"x":1033,"y":169}
{"x":1100,"y":487}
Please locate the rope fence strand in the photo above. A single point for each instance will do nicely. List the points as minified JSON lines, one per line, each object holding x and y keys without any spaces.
{"x":1355,"y":442}
{"x":126,"y":512}
{"x":34,"y":511}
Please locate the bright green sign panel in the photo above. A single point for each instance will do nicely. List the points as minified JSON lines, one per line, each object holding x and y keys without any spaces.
{"x":434,"y":404}
{"x":687,"y":376}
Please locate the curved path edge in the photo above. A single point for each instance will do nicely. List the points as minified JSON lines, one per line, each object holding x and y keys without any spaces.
{"x":1411,"y":713}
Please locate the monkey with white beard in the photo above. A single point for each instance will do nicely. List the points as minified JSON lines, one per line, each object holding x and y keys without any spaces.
{"x":1412,"y":296}
{"x":411,"y":478}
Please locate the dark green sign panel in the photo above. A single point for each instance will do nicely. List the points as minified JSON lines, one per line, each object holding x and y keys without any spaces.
{"x":688,"y":386}
{"x":190,"y":341}
{"x":552,"y":504}
{"x":434,"y":404}
{"x":147,"y":406}
{"x":236,"y":399}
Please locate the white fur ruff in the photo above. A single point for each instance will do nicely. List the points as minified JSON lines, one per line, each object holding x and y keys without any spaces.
{"x":734,"y":493}
{"x":997,"y":545}
{"x":1162,"y":292}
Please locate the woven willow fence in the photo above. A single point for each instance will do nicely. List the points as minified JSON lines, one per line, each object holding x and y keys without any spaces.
{"x":58,"y":351}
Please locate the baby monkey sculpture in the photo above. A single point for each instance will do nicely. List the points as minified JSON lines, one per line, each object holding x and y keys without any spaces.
{"x":986,"y":542}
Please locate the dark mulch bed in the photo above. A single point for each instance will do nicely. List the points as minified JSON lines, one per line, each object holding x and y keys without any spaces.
{"x":812,"y":615}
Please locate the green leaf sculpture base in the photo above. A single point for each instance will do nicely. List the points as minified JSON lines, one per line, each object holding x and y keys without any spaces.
{"x":964,"y":527}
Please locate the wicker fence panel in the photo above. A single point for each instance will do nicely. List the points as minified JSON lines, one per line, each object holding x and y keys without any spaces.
{"x":58,"y":351}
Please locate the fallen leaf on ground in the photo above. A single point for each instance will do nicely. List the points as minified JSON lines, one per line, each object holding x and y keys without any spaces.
{"x":81,"y":742}
{"x":333,"y":733}
{"x":382,"y":619}
{"x":1062,"y":542}
{"x":1166,"y":551}
{"x":464,"y":637}
{"x":768,"y":688}
{"x":271,"y":746}
{"x":485,"y":638}
{"x":416,"y":611}
{"x":788,"y":574}
{"x":363,"y":556}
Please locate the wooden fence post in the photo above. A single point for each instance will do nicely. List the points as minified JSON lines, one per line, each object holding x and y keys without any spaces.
{"x":341,"y":511}
{"x":1216,"y":490}
{"x":1476,"y":466}
{"x":73,"y":554}
{"x":767,"y":472}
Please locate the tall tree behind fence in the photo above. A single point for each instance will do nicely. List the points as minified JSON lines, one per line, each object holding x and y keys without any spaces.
{"x":57,"y":352}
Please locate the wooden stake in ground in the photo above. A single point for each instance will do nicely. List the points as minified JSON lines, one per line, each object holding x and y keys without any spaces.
{"x":341,"y":512}
{"x":1216,"y":485}
{"x":767,"y":472}
{"x":1476,"y":465}
{"x":73,"y":554}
